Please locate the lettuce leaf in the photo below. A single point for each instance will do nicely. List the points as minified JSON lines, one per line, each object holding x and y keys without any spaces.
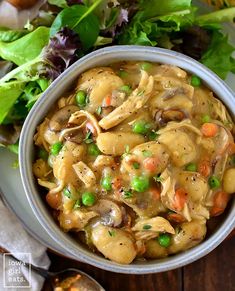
{"x":80,"y":19}
{"x":59,"y":3}
{"x":223,"y":15}
{"x":151,"y":31}
{"x":25,"y":48}
{"x":218,"y":56}
{"x":152,"y":8}
{"x":9,"y":93}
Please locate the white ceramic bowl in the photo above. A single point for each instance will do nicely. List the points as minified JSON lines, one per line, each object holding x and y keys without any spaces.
{"x":62,"y":84}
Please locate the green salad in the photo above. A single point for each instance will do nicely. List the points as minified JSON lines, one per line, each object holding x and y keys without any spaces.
{"x":64,"y":31}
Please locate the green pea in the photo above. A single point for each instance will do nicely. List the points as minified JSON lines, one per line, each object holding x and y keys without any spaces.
{"x":123,"y":74}
{"x":195,"y":81}
{"x":145,"y":66}
{"x":206,"y":118}
{"x":141,"y":127}
{"x":164,"y":240}
{"x":106,"y":183}
{"x":93,"y":149}
{"x":192,"y":167}
{"x":126,"y":89}
{"x":81,"y":98}
{"x":88,"y":198}
{"x":43,"y":154}
{"x":214,"y":182}
{"x":140,"y":184}
{"x":55,"y":148}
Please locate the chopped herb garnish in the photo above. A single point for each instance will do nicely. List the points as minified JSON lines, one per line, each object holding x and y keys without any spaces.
{"x":147,"y":226}
{"x":136,"y":165}
{"x":147,"y":154}
{"x":127,"y":194}
{"x":140,"y":93}
{"x":88,"y":138}
{"x":99,"y":110}
{"x":158,"y":178}
{"x":77,"y":204}
{"x":127,"y":151}
{"x":112,"y":233}
{"x":178,"y":229}
{"x":153,"y":135}
{"x":67,"y":193}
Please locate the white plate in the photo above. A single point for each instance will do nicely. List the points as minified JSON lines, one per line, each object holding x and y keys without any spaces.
{"x":12,"y":188}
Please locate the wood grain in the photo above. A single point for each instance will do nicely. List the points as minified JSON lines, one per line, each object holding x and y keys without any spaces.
{"x":215,"y":272}
{"x":113,"y":281}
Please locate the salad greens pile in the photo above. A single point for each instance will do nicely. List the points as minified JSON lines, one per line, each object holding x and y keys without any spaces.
{"x":32,"y":57}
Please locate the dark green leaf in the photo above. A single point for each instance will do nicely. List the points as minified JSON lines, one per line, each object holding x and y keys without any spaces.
{"x":80,"y":19}
{"x":218,"y":57}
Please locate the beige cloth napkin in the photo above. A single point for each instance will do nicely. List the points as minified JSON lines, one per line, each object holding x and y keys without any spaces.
{"x":17,"y":241}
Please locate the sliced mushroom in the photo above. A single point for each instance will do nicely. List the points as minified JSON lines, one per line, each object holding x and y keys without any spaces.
{"x":110,"y":212}
{"x":60,"y":119}
{"x":72,"y":134}
{"x":164,"y":116}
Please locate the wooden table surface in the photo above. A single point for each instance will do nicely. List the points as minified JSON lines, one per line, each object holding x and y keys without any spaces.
{"x":215,"y":272}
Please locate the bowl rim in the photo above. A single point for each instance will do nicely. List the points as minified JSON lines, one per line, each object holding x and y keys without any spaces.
{"x":221,"y":89}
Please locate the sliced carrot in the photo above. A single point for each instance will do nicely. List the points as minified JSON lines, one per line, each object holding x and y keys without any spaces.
{"x":117,"y":183}
{"x":108,"y":100}
{"x":155,"y":192}
{"x":220,"y":202}
{"x":209,"y":129}
{"x":204,"y":168}
{"x":151,"y":164}
{"x":180,"y":199}
{"x":175,"y":217}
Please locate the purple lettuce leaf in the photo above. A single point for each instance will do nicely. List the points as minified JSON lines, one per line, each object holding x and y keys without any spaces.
{"x":73,"y":2}
{"x":61,"y":52}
